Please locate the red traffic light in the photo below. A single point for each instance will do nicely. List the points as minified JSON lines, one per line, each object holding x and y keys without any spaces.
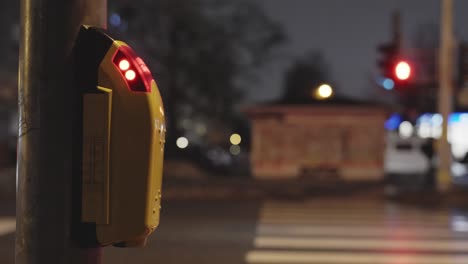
{"x":403,"y":70}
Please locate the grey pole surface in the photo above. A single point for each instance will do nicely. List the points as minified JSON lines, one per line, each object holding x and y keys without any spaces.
{"x":445,"y":93}
{"x":45,"y":150}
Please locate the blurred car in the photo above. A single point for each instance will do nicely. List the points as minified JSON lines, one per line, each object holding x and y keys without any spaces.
{"x":211,"y":158}
{"x":405,"y":156}
{"x":459,"y":171}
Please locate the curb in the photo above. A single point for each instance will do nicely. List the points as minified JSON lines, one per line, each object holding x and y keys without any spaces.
{"x":255,"y":189}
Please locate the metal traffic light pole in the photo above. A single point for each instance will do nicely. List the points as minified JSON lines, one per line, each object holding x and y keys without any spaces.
{"x":445,"y":93}
{"x":46,"y":156}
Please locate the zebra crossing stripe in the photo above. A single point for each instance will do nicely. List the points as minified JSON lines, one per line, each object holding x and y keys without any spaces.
{"x":337,"y":232}
{"x":360,"y":231}
{"x":267,"y":212}
{"x":268,"y":256}
{"x":344,"y":220}
{"x":361,"y":244}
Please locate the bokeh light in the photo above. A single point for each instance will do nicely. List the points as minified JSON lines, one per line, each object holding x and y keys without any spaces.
{"x":235,"y":150}
{"x":406,"y":129}
{"x":182,"y":142}
{"x":388,"y":84}
{"x":235,"y":139}
{"x":324,"y":91}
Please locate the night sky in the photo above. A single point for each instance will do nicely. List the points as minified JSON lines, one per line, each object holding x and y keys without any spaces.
{"x":347,"y":32}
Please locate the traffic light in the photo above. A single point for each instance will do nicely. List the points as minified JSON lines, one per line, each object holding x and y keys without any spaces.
{"x":388,"y":59}
{"x":123,"y":136}
{"x":395,"y":72}
{"x":402,"y":70}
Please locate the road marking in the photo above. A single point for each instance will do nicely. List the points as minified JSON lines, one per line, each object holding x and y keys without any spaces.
{"x":350,"y":258}
{"x":343,"y":210}
{"x":361,"y":244}
{"x":351,"y":221}
{"x":346,"y":204}
{"x":358,"y":232}
{"x":7,"y":225}
{"x":353,"y":213}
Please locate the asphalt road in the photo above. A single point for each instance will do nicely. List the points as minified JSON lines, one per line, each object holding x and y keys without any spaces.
{"x":196,"y":232}
{"x":189,"y":232}
{"x":321,"y":230}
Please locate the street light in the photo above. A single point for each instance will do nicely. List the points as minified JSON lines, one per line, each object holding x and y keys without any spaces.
{"x":324,"y":91}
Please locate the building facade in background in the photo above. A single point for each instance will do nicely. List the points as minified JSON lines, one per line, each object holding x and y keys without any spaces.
{"x":307,"y":140}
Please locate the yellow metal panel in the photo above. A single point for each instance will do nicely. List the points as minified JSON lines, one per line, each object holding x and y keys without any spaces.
{"x":96,"y":135}
{"x":136,"y":159}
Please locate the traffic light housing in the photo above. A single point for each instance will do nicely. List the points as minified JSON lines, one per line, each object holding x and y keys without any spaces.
{"x":395,"y":72}
{"x":123,"y":136}
{"x":388,"y":59}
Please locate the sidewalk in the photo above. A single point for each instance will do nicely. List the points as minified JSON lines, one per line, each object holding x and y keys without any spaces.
{"x":456,"y":197}
{"x":217,"y":187}
{"x":248,"y":188}
{"x":202,"y":187}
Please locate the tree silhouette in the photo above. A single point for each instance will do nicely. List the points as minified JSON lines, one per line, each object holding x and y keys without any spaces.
{"x":199,"y":50}
{"x":306,"y":74}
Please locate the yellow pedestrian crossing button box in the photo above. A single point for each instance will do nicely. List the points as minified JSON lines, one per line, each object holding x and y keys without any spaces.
{"x":123,"y":141}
